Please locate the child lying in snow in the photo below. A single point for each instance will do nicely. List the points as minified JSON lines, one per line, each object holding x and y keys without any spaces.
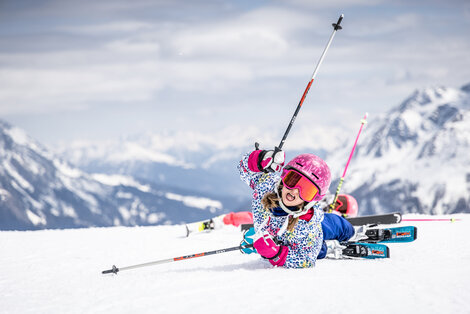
{"x":290,"y":226}
{"x":346,"y":206}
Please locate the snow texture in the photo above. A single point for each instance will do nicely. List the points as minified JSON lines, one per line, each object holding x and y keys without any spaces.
{"x":59,"y":271}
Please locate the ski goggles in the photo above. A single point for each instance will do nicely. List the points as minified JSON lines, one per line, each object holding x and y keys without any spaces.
{"x":295,"y":180}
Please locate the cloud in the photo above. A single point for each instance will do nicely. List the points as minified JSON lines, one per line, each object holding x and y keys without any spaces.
{"x":125,"y":27}
{"x":223,"y":62}
{"x":333,"y":3}
{"x":230,"y":138}
{"x":210,"y":56}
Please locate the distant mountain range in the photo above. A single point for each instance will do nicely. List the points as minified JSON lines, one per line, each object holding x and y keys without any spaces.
{"x":415,"y":158}
{"x":189,"y":160}
{"x":412,"y":159}
{"x":39,"y":190}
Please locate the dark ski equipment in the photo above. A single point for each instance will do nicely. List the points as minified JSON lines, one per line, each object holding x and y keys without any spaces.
{"x":391,"y":235}
{"x":365,"y":250}
{"x":385,"y":219}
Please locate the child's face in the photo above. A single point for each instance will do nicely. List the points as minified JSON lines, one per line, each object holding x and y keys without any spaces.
{"x":291,"y":197}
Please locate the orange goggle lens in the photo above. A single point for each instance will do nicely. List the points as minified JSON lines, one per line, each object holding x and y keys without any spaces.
{"x":307,"y":189}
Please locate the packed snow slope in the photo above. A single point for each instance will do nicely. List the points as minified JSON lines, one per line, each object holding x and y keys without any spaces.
{"x":59,"y":271}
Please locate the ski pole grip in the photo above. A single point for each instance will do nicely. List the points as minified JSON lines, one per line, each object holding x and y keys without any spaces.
{"x":337,"y":25}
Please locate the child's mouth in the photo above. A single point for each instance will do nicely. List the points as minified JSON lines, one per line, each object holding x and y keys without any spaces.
{"x":290,"y":197}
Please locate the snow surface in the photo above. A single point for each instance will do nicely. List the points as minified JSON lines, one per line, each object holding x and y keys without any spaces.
{"x":59,"y":271}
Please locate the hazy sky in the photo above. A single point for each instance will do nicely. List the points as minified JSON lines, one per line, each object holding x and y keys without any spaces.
{"x":102,"y":69}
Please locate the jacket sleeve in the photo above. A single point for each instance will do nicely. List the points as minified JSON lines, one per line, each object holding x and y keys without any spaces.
{"x":261,"y":183}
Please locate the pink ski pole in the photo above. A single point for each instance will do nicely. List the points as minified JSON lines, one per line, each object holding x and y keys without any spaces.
{"x":333,"y":205}
{"x":432,"y":219}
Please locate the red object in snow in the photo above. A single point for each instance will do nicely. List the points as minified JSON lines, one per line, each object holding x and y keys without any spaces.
{"x":239,"y":218}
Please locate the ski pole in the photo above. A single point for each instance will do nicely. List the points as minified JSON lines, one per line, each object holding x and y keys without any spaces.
{"x":333,"y":205}
{"x":336,"y":27}
{"x":432,"y":219}
{"x":115,"y":270}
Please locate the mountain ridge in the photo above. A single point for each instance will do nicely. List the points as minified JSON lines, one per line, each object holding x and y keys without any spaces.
{"x":39,"y":190}
{"x":413,"y":159}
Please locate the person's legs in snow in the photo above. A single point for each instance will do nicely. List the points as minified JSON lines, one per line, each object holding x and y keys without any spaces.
{"x":334,"y":228}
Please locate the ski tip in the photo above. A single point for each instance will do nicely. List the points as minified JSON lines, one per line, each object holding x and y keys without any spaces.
{"x":387,"y":252}
{"x":398,"y":217}
{"x":244,"y":227}
{"x":415,"y":233}
{"x":187,"y":231}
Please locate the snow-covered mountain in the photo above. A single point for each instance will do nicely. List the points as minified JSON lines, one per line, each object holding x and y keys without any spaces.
{"x":39,"y":190}
{"x":411,"y":159}
{"x":415,"y":158}
{"x":184,"y":160}
{"x":198,"y":161}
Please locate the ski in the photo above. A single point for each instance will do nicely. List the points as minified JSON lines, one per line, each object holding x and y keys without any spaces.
{"x":391,"y":235}
{"x":199,"y":226}
{"x":217,"y":222}
{"x":244,"y":227}
{"x":392,"y":218}
{"x":365,"y":250}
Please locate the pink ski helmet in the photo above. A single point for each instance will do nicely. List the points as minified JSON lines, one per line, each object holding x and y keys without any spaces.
{"x":315,"y":169}
{"x":346,"y":205}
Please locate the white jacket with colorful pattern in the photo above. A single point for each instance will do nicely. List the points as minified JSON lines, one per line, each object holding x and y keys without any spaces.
{"x":305,"y":241}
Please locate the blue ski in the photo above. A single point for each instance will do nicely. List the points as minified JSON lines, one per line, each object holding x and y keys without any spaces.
{"x":366,"y":250}
{"x":391,"y":235}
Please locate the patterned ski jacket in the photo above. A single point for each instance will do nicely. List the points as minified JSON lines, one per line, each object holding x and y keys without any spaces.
{"x":305,"y":240}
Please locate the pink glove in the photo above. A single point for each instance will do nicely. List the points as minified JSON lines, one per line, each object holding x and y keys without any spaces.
{"x":266,"y":160}
{"x":266,"y":247}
